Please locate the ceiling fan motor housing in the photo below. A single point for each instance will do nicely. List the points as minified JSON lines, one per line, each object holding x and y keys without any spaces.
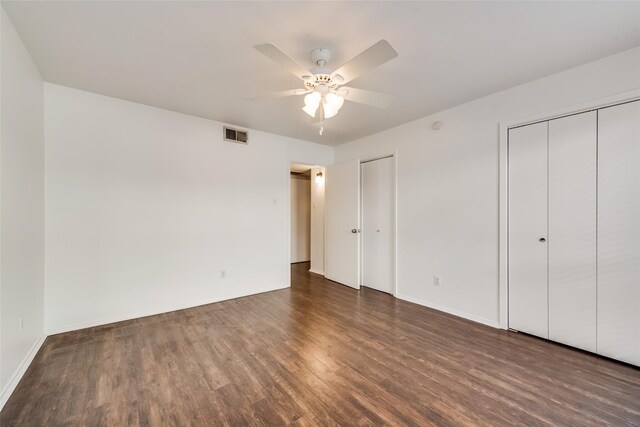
{"x":319,"y":80}
{"x":320,"y":56}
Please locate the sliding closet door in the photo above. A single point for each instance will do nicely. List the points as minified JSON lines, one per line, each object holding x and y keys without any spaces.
{"x":572,"y":230}
{"x":619,"y":232}
{"x":528,"y":229}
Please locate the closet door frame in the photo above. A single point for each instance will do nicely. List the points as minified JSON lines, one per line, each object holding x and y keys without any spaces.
{"x":595,"y":104}
{"x":394,"y":262}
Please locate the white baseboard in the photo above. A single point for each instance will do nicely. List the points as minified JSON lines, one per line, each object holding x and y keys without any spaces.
{"x":107,"y":320}
{"x":316,"y":272}
{"x":473,"y":318}
{"x":17,"y":375}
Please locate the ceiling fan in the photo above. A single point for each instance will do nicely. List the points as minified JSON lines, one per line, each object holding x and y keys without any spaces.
{"x":324,"y":90}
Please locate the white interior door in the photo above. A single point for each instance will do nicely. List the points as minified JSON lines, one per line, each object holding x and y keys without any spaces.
{"x":342,"y":204}
{"x":378,"y":224}
{"x":528,"y":282}
{"x":619,"y":232}
{"x":572,"y":230}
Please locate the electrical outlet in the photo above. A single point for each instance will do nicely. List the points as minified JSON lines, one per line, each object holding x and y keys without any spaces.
{"x":223,"y":274}
{"x":436,"y":281}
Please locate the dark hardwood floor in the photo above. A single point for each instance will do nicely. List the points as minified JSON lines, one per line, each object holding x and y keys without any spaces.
{"x":317,"y":354}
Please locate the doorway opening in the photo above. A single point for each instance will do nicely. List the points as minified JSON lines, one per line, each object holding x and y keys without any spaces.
{"x":307,"y":216}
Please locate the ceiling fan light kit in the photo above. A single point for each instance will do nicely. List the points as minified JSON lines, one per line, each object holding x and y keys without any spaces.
{"x":311,"y":103}
{"x":331,"y":104}
{"x":324,"y":93}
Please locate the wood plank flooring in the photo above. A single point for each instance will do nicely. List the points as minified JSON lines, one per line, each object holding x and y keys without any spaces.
{"x":317,"y":354}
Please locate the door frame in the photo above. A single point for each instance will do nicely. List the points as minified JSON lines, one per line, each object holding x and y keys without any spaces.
{"x":503,"y":195}
{"x":394,"y":265}
{"x":288,"y":212}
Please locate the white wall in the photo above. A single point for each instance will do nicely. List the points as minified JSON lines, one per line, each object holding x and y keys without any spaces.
{"x":317,"y":222}
{"x":145,"y":208}
{"x":448,"y":184}
{"x":300,"y":219}
{"x":22,"y":210}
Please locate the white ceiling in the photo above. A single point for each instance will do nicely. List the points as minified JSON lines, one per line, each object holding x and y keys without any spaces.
{"x":197,"y":57}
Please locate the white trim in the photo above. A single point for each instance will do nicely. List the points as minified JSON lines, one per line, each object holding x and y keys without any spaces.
{"x":394,"y":262}
{"x":316,"y":272}
{"x":19,"y":373}
{"x":582,"y":107}
{"x":373,"y":159}
{"x":395,"y":223}
{"x":2,"y":400}
{"x":503,"y":306}
{"x":288,"y":219}
{"x":503,"y":214}
{"x":467,"y":316}
{"x":107,"y":320}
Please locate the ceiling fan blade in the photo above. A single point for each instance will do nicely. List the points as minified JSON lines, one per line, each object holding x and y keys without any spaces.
{"x":281,"y":94}
{"x":274,"y":53}
{"x":319,"y":117}
{"x":373,"y":57}
{"x":366,"y":97}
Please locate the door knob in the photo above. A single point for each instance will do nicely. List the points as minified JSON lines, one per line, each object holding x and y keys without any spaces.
{"x":542,"y":239}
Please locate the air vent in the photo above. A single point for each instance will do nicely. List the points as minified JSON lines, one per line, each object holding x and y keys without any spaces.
{"x":235,"y":135}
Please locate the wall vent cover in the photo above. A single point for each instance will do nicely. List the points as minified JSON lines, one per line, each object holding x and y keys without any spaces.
{"x":235,"y":135}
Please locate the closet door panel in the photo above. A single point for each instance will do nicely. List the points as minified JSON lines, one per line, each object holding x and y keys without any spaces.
{"x":527,"y":225}
{"x":619,"y":232}
{"x":572,"y":230}
{"x":378,"y":232}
